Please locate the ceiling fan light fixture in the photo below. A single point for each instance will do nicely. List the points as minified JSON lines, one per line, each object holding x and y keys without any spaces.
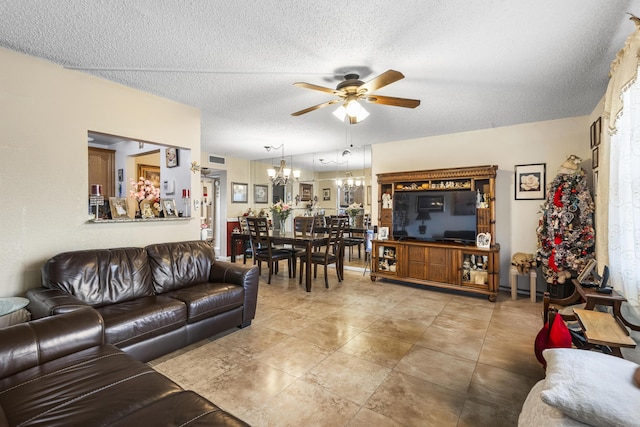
{"x":360,"y":114}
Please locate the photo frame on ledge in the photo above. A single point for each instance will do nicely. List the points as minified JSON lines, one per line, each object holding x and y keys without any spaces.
{"x":530,"y":181}
{"x":119,"y":207}
{"x":169,"y":208}
{"x":239,"y":192}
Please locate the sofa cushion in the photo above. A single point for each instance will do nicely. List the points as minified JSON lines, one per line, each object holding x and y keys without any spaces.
{"x":100,"y":277}
{"x":92,"y":387}
{"x":179,"y":264}
{"x":181,"y":409}
{"x":208,"y":299}
{"x":138,"y":320}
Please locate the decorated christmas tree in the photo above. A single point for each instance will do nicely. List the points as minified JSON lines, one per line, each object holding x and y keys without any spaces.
{"x":565,"y":233}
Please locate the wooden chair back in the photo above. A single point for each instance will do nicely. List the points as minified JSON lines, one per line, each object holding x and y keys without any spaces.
{"x":303,"y":226}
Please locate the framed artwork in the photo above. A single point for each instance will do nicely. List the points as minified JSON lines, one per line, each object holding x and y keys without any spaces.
{"x":260,"y":193}
{"x":147,"y":210}
{"x":119,"y":207}
{"x":326,"y":194}
{"x":169,"y":208}
{"x":594,"y":158}
{"x":430,"y":204}
{"x":151,"y":173}
{"x":530,"y":181}
{"x":483,"y":240}
{"x":383,"y":233}
{"x":306,"y":191}
{"x":368,"y":195}
{"x":172,"y":157}
{"x":596,"y":132}
{"x":239,"y":193}
{"x":120,"y":175}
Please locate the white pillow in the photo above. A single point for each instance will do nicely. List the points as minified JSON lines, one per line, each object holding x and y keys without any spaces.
{"x":594,"y":388}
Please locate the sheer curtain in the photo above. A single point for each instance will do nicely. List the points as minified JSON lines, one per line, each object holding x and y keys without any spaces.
{"x":622,"y":219}
{"x":624,"y":198}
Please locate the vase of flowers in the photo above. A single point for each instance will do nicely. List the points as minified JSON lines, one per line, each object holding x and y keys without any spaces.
{"x":353,"y":210}
{"x":280,"y":212}
{"x":145,"y":190}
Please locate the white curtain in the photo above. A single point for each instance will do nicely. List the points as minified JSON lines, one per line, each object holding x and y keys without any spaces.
{"x":620,"y":206}
{"x":624,"y":198}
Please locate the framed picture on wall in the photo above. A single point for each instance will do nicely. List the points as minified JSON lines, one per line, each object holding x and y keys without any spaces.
{"x":530,"y":181}
{"x":326,"y":194}
{"x":260,"y":193}
{"x":151,"y":173}
{"x":239,"y":193}
{"x":172,"y":157}
{"x":306,"y":192}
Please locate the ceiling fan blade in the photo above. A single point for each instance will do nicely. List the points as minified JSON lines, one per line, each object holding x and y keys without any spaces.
{"x":315,"y":107}
{"x":380,"y":81}
{"x":316,"y":87}
{"x":390,"y":100}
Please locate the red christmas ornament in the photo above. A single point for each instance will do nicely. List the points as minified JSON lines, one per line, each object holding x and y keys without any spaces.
{"x":557,"y":198}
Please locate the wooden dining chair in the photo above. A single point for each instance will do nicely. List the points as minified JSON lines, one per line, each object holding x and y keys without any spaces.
{"x":356,"y":239}
{"x":331,"y":254}
{"x":263,"y":250}
{"x":247,"y":251}
{"x":302,"y":228}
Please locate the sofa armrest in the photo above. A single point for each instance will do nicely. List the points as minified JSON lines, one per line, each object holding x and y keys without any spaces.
{"x":26,"y":345}
{"x":45,"y":302}
{"x":241,"y":275}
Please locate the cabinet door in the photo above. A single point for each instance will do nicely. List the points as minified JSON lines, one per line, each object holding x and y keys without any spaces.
{"x":417,"y":262}
{"x":438,"y":264}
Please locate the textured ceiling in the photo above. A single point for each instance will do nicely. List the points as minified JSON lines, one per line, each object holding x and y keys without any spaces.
{"x":474,"y":65}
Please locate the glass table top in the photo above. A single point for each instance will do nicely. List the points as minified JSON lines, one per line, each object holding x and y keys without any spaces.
{"x":10,"y":304}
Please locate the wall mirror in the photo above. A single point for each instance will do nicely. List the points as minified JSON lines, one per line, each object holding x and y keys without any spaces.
{"x":114,"y":161}
{"x":335,"y":179}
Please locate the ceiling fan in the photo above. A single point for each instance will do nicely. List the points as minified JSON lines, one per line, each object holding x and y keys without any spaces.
{"x":352,"y":90}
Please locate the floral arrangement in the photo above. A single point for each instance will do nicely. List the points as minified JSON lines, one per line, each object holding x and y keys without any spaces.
{"x":353,"y":209}
{"x":280,"y":210}
{"x":252,"y":212}
{"x":145,"y":190}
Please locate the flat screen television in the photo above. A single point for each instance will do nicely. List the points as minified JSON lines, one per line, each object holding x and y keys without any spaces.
{"x":435,"y":216}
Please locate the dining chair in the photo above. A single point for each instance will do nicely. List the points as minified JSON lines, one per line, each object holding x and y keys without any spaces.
{"x":331,"y":255}
{"x":263,"y":250}
{"x":302,"y":228}
{"x":247,"y":251}
{"x":352,"y":238}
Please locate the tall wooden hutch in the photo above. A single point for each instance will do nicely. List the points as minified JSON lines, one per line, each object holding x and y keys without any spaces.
{"x":464,"y":267}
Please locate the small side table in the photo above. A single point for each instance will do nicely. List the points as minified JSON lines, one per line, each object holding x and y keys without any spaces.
{"x":9,"y":306}
{"x":513,"y":281}
{"x":603,"y":329}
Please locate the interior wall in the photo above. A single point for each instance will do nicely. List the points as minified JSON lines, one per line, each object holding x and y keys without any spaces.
{"x":549,"y":142}
{"x":46,"y":112}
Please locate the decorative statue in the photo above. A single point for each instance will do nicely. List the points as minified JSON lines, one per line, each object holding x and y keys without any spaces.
{"x":386,"y":201}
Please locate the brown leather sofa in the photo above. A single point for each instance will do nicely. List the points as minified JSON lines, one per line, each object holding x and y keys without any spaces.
{"x":153,"y":300}
{"x":56,"y":371}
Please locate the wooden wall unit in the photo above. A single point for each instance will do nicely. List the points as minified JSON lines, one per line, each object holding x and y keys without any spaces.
{"x":440,"y":264}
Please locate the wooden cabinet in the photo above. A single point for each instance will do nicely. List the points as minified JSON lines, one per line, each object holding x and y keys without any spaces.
{"x":442,"y":264}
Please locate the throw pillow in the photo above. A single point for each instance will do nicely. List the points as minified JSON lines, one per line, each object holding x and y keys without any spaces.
{"x":594,"y":388}
{"x":558,"y":337}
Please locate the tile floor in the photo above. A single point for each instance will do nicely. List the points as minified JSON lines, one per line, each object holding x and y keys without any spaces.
{"x":366,"y":353}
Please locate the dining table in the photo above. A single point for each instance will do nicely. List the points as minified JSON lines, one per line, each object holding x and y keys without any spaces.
{"x":288,"y":238}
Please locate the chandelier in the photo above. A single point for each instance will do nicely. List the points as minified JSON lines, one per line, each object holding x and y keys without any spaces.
{"x":281,"y":175}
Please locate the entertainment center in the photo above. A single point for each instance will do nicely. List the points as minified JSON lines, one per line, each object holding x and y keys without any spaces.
{"x":433,"y":219}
